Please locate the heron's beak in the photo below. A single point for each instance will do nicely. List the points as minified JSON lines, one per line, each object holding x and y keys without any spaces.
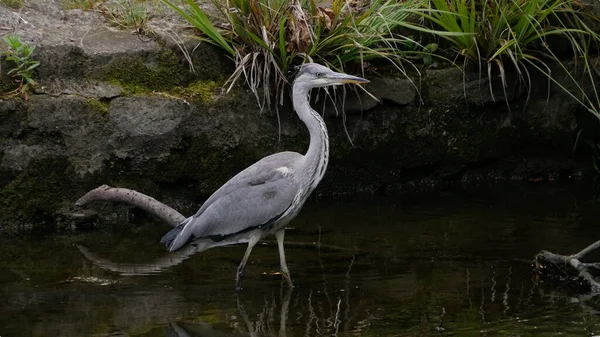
{"x":339,"y":78}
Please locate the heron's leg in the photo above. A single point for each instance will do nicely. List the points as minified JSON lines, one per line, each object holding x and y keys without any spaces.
{"x":285,"y":305}
{"x":240,"y":271}
{"x":280,"y":234}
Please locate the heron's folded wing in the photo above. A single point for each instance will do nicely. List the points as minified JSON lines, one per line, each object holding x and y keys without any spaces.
{"x":261,"y":172}
{"x":249,"y":207}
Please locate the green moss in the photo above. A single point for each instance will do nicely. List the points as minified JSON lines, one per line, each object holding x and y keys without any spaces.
{"x":197,"y":161}
{"x":79,"y":4}
{"x":34,"y":195}
{"x":125,"y":173}
{"x":98,"y":106}
{"x":7,"y":83}
{"x":14,"y":4}
{"x":203,"y":91}
{"x":137,"y":77}
{"x":167,"y":76}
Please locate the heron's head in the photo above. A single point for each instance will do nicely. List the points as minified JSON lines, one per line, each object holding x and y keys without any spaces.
{"x":313,"y":75}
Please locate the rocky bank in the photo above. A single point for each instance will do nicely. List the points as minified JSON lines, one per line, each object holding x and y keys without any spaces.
{"x":117,"y":108}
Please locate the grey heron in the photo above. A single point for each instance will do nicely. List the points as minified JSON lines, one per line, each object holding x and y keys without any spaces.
{"x":263,"y":198}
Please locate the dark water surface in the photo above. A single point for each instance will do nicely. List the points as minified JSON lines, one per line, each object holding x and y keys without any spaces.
{"x":436,"y":264}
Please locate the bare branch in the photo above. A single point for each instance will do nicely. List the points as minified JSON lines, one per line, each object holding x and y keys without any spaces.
{"x":149,"y":204}
{"x":563,"y":262}
{"x":593,"y":265}
{"x":583,"y":272}
{"x":587,"y":250}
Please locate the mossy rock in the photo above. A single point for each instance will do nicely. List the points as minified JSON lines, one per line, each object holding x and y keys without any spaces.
{"x":33,"y":196}
{"x":166,"y":75}
{"x":7,"y":84}
{"x":203,"y":91}
{"x":98,"y":106}
{"x":206,"y":166}
{"x":136,"y":76}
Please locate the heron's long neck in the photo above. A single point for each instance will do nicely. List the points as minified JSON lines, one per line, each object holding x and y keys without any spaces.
{"x":317,"y":156}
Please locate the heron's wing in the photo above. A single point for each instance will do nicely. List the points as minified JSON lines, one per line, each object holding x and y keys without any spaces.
{"x":255,"y":198}
{"x":250,"y":207}
{"x":258,"y":173}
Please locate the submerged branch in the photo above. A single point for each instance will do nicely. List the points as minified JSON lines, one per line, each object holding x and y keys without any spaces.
{"x":571,"y":264}
{"x":148,"y":204}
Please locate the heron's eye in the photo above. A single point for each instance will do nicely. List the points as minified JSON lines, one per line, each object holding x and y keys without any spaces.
{"x":319,"y":74}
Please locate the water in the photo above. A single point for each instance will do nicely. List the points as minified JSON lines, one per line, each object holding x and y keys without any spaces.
{"x":438,"y":264}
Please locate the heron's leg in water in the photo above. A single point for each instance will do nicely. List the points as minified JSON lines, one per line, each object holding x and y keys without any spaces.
{"x":240,"y":271}
{"x":280,"y":234}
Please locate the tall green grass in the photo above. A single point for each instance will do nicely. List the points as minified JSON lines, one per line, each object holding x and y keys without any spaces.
{"x":266,"y":38}
{"x":501,"y":34}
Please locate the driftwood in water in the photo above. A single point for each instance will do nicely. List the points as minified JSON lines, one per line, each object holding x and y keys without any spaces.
{"x":551,"y":264}
{"x":135,"y":198}
{"x":152,"y":206}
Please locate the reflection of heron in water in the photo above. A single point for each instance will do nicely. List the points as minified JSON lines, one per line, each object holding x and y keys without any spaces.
{"x":326,"y":306}
{"x":260,"y":200}
{"x":203,"y":329}
{"x":323,"y":310}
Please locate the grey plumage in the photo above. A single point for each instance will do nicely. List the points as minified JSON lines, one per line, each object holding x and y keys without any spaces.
{"x":264,"y":197}
{"x":260,"y":188}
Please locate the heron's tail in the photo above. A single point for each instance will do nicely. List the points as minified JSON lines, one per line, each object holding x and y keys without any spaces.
{"x":168,"y":238}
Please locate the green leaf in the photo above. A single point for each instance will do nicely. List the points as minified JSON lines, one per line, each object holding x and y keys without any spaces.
{"x":200,"y":20}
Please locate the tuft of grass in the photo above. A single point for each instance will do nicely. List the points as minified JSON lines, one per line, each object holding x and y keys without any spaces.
{"x":501,"y":34}
{"x":267,"y":38}
{"x":128,"y":14}
{"x":19,"y":57}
